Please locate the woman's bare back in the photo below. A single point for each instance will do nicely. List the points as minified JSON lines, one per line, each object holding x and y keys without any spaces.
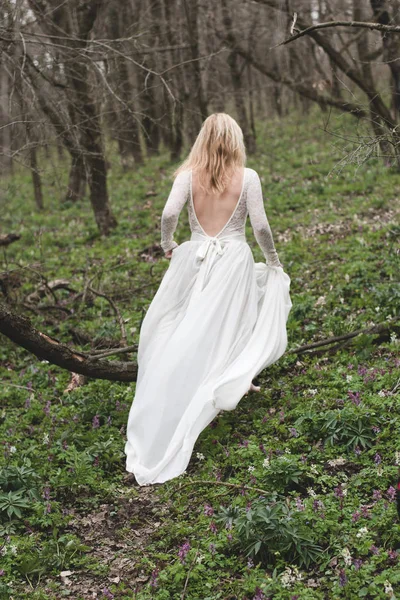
{"x":213,"y":211}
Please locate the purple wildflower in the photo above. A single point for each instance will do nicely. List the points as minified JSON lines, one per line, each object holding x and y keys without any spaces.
{"x":356,"y":516}
{"x":338,"y":491}
{"x":154,"y":578}
{"x":2,"y":572}
{"x":183,"y":550}
{"x":377,"y":494}
{"x":48,"y":507}
{"x":208,"y":510}
{"x":95,"y":422}
{"x":374,"y":549}
{"x":317,"y":505}
{"x":229,"y":537}
{"x":365,"y":512}
{"x":299,"y":504}
{"x":213,"y":527}
{"x":377,"y":459}
{"x":342,"y":578}
{"x":28,"y":402}
{"x":391,"y":493}
{"x":47,"y":408}
{"x":354,"y":397}
{"x":375,"y":429}
{"x":293,"y":432}
{"x":46,"y":492}
{"x":357,"y":451}
{"x":393,"y":555}
{"x":357,"y":563}
{"x":250,"y":563}
{"x":243,"y":444}
{"x":109,"y":420}
{"x":259,"y":595}
{"x":211,"y":548}
{"x":108,"y":594}
{"x":262,"y":448}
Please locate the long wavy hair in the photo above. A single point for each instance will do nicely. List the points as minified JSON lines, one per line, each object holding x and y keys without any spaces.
{"x":218,"y":150}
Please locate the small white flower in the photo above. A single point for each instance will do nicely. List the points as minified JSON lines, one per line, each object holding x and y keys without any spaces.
{"x":388,"y":589}
{"x":287,"y":451}
{"x":335,"y":462}
{"x":251,"y":469}
{"x":381,"y":393}
{"x":266,"y":463}
{"x":311,"y":492}
{"x":341,"y":300}
{"x":361,"y":532}
{"x":200,"y":558}
{"x":379,"y":471}
{"x":313,"y":469}
{"x":200,"y":456}
{"x":397,"y":457}
{"x":46,"y":438}
{"x":13,"y":549}
{"x":12,"y":449}
{"x":290,"y":576}
{"x":393,"y":337}
{"x":46,"y":362}
{"x":349,"y":378}
{"x":3,"y":551}
{"x":347,"y":277}
{"x":312,"y":392}
{"x":377,"y":308}
{"x":321,"y":301}
{"x":346,"y":556}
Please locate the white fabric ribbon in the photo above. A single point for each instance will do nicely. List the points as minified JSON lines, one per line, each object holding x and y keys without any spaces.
{"x":211,"y":241}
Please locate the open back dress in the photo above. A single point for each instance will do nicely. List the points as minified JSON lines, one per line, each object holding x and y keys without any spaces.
{"x":216,"y":321}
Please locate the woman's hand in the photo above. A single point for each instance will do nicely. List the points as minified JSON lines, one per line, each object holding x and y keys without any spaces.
{"x":168,"y":254}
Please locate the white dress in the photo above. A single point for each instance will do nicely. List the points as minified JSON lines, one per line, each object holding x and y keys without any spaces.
{"x":216,"y":321}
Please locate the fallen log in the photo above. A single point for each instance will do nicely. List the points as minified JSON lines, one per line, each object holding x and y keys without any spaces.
{"x":20,"y":330}
{"x":8,"y":238}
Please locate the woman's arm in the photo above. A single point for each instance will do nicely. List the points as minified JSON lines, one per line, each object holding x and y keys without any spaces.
{"x":259,"y":221}
{"x":172,"y":209}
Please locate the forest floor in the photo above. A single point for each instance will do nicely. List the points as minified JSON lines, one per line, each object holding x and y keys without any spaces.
{"x":291,"y":495}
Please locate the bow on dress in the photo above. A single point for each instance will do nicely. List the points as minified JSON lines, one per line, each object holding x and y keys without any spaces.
{"x":204,"y":248}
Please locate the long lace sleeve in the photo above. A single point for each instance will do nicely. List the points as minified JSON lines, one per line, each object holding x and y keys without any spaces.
{"x":259,"y":221}
{"x":172,"y":209}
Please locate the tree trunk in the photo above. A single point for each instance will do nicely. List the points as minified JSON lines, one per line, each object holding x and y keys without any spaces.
{"x":20,"y":331}
{"x":77,"y":179}
{"x":236,"y":78}
{"x":363,"y":51}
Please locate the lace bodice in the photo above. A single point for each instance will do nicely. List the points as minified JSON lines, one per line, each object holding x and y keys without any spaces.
{"x":250,"y":203}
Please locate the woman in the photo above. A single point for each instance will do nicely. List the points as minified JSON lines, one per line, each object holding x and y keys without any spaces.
{"x":217,"y":319}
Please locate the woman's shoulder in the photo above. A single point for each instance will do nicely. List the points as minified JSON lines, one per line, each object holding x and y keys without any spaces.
{"x":251,"y":172}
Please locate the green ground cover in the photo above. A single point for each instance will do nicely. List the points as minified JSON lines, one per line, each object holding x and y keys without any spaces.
{"x":290,"y":496}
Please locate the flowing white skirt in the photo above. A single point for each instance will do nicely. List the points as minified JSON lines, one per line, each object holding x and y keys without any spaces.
{"x":216,"y":321}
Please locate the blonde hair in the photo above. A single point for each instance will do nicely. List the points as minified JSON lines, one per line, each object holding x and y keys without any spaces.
{"x":218,"y":150}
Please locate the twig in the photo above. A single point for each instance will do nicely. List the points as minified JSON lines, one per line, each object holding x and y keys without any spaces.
{"x":188,"y":575}
{"x":115,"y":309}
{"x":375,"y":329}
{"x":111,"y":352}
{"x":378,"y":26}
{"x":225,"y":483}
{"x":21,"y":387}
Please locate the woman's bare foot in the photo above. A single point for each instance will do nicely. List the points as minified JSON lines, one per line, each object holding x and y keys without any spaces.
{"x":253,"y":388}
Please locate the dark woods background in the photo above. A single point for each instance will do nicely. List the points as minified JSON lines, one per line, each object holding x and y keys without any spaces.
{"x":144,"y":75}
